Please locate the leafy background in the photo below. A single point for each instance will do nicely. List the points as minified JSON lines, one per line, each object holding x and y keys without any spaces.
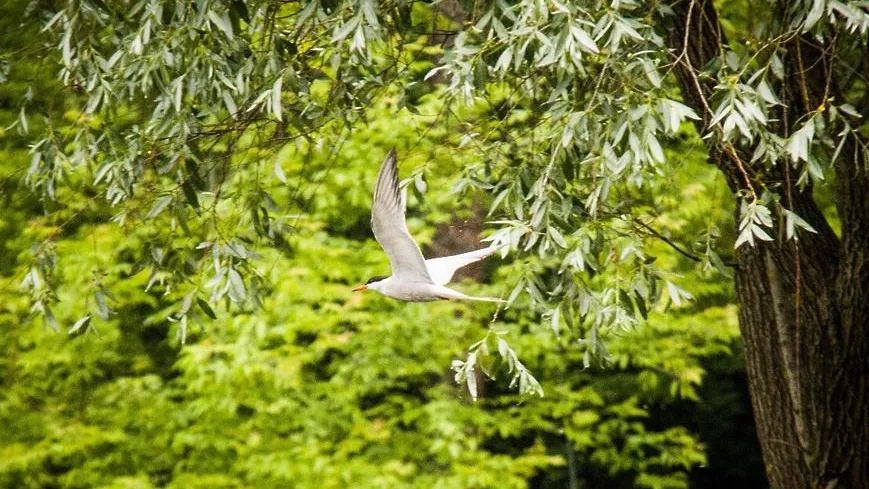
{"x":304,"y":384}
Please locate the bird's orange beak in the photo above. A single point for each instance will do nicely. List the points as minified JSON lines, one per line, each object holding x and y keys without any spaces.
{"x":359,"y":287}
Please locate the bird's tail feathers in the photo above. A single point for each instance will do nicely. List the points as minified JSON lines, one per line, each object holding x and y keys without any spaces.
{"x":485,"y":299}
{"x":448,"y":293}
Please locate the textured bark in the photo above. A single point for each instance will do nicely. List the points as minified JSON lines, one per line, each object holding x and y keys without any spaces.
{"x":804,"y":306}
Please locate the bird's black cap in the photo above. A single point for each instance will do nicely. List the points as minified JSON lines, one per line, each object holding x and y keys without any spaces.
{"x":375,"y":279}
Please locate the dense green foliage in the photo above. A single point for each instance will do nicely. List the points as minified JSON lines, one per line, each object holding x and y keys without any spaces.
{"x":183,"y":105}
{"x":563,"y":112}
{"x":318,"y":387}
{"x":186,"y":208}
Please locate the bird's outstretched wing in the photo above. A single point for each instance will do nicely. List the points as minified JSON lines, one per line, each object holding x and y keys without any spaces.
{"x":390,"y":228}
{"x":441,"y":270}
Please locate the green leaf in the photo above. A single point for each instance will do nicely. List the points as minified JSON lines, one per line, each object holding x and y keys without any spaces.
{"x":279,"y":172}
{"x":794,"y":221}
{"x":203,"y":304}
{"x":79,"y":324}
{"x":222,"y":22}
{"x":102,"y":307}
{"x":237,"y":289}
{"x":555,"y":320}
{"x":230,"y":104}
{"x":159,"y":206}
{"x":470,"y":375}
{"x":276,"y":98}
{"x":345,"y":29}
{"x":677,"y":295}
{"x":583,"y":39}
{"x":641,"y":305}
{"x":190,"y":194}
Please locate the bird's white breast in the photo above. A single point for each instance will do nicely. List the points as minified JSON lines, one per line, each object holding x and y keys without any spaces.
{"x":408,"y":291}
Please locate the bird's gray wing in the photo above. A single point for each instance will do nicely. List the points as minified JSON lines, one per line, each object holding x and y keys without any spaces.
{"x":441,"y":270}
{"x":390,"y":228}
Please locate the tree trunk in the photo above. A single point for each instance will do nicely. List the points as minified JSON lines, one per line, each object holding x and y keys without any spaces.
{"x":806,"y":354}
{"x":804,"y":305}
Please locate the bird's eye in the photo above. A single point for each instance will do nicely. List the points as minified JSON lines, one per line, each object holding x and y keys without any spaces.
{"x":375,"y":279}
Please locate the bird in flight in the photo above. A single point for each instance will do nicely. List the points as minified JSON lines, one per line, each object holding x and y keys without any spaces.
{"x":413,"y":279}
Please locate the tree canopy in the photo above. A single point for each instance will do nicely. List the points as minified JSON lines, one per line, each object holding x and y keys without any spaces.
{"x":320,"y":387}
{"x":198,"y":142}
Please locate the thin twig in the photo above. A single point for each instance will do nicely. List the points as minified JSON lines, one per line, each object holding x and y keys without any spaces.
{"x":673,"y":245}
{"x":728,"y":147}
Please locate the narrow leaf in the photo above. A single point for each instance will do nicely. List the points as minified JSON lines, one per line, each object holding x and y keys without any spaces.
{"x":279,"y":172}
{"x":237,"y":285}
{"x":584,"y":40}
{"x":203,"y":304}
{"x":556,"y":320}
{"x":276,"y":98}
{"x":222,"y":22}
{"x":79,"y":324}
{"x":159,"y":206}
{"x":190,"y":194}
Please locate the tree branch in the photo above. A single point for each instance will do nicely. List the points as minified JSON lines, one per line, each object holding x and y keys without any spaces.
{"x":673,"y":245}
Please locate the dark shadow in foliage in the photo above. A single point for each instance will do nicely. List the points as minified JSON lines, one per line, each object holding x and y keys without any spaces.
{"x":724,"y":423}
